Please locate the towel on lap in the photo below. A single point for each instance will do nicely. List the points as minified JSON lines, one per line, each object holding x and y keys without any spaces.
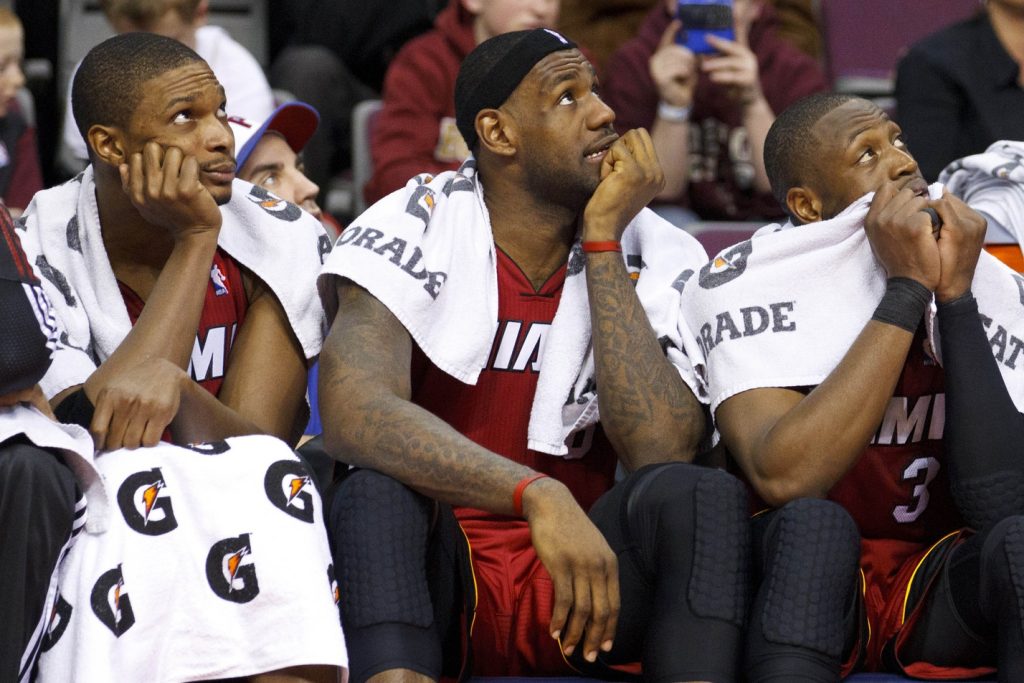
{"x":216,"y":565}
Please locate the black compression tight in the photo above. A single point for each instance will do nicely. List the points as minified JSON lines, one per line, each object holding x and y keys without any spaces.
{"x":682,"y":576}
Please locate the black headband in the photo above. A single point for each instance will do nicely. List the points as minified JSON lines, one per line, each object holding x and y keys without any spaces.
{"x":497,"y":83}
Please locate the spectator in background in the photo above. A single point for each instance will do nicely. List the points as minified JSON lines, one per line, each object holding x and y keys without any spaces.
{"x":604,"y":25}
{"x":185,"y":21}
{"x":415,"y":131}
{"x":20,"y":175}
{"x":337,"y":58}
{"x":271,"y":155}
{"x":709,"y":116}
{"x":960,"y":90}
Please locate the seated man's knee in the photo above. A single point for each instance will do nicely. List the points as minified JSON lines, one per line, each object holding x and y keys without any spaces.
{"x":985,"y":500}
{"x":1002,"y":568}
{"x":809,"y":552}
{"x":663,"y":488}
{"x":369,"y":497}
{"x":381,"y":531}
{"x":700,"y":517}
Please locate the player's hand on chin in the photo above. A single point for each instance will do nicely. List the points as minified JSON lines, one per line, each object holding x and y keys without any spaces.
{"x":164,"y":185}
{"x":631,"y":177}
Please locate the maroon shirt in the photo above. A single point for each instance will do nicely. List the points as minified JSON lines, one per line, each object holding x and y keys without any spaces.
{"x":415,"y":130}
{"x":721,"y":172}
{"x":515,"y":595}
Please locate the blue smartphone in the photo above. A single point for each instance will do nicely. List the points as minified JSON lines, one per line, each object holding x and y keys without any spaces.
{"x":701,"y":18}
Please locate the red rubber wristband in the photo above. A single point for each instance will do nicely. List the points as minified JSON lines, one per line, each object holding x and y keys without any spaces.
{"x":594,"y":247}
{"x":517,"y":496}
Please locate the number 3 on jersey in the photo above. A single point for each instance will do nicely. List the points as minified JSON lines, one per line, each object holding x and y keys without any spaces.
{"x":923,"y":471}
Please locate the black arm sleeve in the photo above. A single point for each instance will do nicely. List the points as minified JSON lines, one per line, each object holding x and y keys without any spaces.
{"x":984,"y":431}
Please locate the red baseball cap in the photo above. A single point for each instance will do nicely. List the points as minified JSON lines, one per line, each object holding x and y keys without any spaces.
{"x":294,"y":121}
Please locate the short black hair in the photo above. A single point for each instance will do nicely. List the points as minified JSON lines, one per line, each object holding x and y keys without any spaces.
{"x":108,"y":84}
{"x":789,"y":146}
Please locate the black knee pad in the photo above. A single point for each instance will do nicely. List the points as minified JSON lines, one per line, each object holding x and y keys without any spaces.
{"x":984,"y":501}
{"x":380,"y":529}
{"x":685,"y":501}
{"x":811,"y":550}
{"x":1002,"y":570}
{"x":720,"y":583}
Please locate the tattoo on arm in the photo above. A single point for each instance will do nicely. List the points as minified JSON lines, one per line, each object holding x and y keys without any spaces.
{"x":647,"y":410}
{"x":369,"y":420}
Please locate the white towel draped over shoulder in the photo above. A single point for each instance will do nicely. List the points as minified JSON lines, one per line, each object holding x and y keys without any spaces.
{"x":427,"y":252}
{"x":60,"y":232}
{"x":992,"y":183}
{"x":783,"y":308}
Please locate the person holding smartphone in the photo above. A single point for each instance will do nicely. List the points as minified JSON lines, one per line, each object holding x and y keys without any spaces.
{"x":709,"y":113}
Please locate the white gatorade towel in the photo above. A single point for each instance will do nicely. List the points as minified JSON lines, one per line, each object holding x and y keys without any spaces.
{"x":215,"y":564}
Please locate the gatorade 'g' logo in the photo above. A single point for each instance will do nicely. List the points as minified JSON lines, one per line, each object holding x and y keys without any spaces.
{"x":145,"y":504}
{"x":727,"y":266}
{"x":110,"y":602}
{"x":288,"y":487}
{"x":421,"y":204}
{"x":211,"y":448}
{"x":59,"y":619}
{"x":274,"y":205}
{"x":577,"y":260}
{"x":230,"y":570}
{"x":335,"y":591}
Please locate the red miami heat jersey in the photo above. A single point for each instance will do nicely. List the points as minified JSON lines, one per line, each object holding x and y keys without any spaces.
{"x":223,"y":313}
{"x":495,"y":413}
{"x":898,"y":493}
{"x":514,"y":591}
{"x":899,"y":488}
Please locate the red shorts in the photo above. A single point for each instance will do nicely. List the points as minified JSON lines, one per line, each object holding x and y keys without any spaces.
{"x":889,"y":571}
{"x":510,"y":630}
{"x":514,"y":598}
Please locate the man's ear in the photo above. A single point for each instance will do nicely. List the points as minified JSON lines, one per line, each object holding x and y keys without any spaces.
{"x":804,"y":204}
{"x":202,"y":13}
{"x":107,"y":144}
{"x":497,"y":132}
